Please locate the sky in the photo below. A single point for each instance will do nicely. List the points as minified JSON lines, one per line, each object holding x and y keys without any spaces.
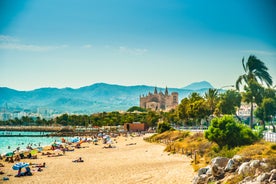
{"x":75,"y":43}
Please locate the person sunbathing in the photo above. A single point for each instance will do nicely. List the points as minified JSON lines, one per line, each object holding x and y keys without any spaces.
{"x":39,"y":165}
{"x":131,"y":144}
{"x":78,"y":160}
{"x":54,"y":155}
{"x":1,"y":172}
{"x":108,"y":146}
{"x":47,"y":153}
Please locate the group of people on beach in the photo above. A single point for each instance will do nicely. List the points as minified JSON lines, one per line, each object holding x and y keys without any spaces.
{"x":54,"y":150}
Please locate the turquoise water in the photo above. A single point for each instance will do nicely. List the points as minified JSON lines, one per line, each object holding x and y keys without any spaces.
{"x":9,"y":144}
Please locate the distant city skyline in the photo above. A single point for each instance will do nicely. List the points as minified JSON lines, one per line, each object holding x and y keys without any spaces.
{"x":69,"y":43}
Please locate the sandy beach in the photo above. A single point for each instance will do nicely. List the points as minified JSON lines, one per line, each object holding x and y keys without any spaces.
{"x":131,"y":161}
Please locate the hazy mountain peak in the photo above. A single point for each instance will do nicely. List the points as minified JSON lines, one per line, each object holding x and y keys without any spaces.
{"x":198,"y":85}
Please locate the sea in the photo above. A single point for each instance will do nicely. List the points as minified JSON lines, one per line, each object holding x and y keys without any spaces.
{"x":9,"y":144}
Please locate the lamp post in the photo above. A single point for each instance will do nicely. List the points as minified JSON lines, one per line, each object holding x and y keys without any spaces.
{"x":227,"y":86}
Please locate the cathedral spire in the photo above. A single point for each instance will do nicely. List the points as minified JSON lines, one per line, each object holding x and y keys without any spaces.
{"x":155,"y":90}
{"x":166,"y":91}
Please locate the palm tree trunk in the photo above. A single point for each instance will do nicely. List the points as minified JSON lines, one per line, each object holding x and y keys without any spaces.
{"x":251,"y":115}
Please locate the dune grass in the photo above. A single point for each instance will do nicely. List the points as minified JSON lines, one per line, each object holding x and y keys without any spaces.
{"x":201,"y":151}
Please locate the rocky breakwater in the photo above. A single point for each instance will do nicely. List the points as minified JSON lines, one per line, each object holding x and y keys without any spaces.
{"x":237,"y":170}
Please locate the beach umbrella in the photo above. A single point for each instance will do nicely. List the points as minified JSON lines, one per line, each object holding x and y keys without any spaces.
{"x":75,"y":139}
{"x":33,"y":152}
{"x":20,"y":165}
{"x":9,"y":154}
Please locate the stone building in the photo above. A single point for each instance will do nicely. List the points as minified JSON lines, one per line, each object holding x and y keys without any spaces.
{"x":135,"y":127}
{"x":159,"y":101}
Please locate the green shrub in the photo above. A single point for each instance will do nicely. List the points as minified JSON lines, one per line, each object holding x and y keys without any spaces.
{"x":226,"y":131}
{"x":163,"y":127}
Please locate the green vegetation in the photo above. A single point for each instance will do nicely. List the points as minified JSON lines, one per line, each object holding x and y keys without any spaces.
{"x":255,"y":72}
{"x":136,"y":108}
{"x":201,"y":150}
{"x":226,"y":131}
{"x":163,"y":127}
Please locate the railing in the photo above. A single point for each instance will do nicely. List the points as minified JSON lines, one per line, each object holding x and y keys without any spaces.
{"x":270,"y":136}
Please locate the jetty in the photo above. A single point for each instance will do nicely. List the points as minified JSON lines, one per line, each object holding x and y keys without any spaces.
{"x":51,"y":131}
{"x":33,"y":128}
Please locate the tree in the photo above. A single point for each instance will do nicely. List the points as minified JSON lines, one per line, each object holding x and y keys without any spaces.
{"x":136,"y":108}
{"x":211,"y":97}
{"x":163,"y":127}
{"x":253,"y":94}
{"x":192,"y":108}
{"x":267,"y":109}
{"x":226,"y":131}
{"x":228,"y":102}
{"x":255,"y":72}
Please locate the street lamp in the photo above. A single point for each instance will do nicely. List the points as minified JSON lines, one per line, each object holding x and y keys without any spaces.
{"x":227,"y":86}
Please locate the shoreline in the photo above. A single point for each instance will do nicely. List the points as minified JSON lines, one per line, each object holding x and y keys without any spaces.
{"x":131,"y":160}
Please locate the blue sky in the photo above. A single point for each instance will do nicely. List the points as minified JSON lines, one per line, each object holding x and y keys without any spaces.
{"x":74,"y":43}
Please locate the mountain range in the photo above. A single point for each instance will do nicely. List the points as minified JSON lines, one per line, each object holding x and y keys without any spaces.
{"x":98,"y":97}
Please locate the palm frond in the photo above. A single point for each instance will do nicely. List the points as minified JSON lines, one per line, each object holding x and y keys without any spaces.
{"x":239,"y":81}
{"x":244,"y":68}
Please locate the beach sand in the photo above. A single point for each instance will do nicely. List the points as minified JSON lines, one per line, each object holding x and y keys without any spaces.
{"x":131,"y":161}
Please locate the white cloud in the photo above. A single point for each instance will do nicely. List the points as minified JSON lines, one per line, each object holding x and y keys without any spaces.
{"x":259,"y":52}
{"x":12,"y":43}
{"x":25,"y":47}
{"x":5,"y":38}
{"x":87,"y":46}
{"x":135,"y":51}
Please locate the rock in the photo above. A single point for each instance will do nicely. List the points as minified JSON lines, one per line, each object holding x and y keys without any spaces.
{"x":263,"y":165}
{"x":272,"y":177}
{"x":237,"y":158}
{"x":273,"y":171}
{"x":263,"y":177}
{"x":254,"y":163}
{"x":202,"y":179}
{"x":248,"y":180}
{"x":217,"y":172}
{"x":231,"y":166}
{"x":219,"y":161}
{"x":244,"y":169}
{"x":228,"y":178}
{"x":203,"y":170}
{"x":209,"y":172}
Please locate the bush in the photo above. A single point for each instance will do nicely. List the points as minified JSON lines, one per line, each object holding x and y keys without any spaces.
{"x":226,"y":131}
{"x":163,"y":127}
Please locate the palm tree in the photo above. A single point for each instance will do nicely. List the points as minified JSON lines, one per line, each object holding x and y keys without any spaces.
{"x":211,"y":97}
{"x":255,"y":72}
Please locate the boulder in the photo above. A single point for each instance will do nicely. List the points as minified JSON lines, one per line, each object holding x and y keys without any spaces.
{"x":244,"y":168}
{"x":254,"y":163}
{"x":237,"y":158}
{"x":272,"y":177}
{"x":202,"y":179}
{"x":203,"y":170}
{"x":219,"y":161}
{"x":264,"y":166}
{"x":231,"y":165}
{"x":217,"y":172}
{"x":248,"y":180}
{"x":263,"y":177}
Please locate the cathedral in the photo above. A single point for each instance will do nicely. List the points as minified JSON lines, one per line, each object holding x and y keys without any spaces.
{"x":159,"y":101}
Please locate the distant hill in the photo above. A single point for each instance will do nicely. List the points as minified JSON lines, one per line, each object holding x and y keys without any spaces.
{"x":98,"y":97}
{"x":198,"y":86}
